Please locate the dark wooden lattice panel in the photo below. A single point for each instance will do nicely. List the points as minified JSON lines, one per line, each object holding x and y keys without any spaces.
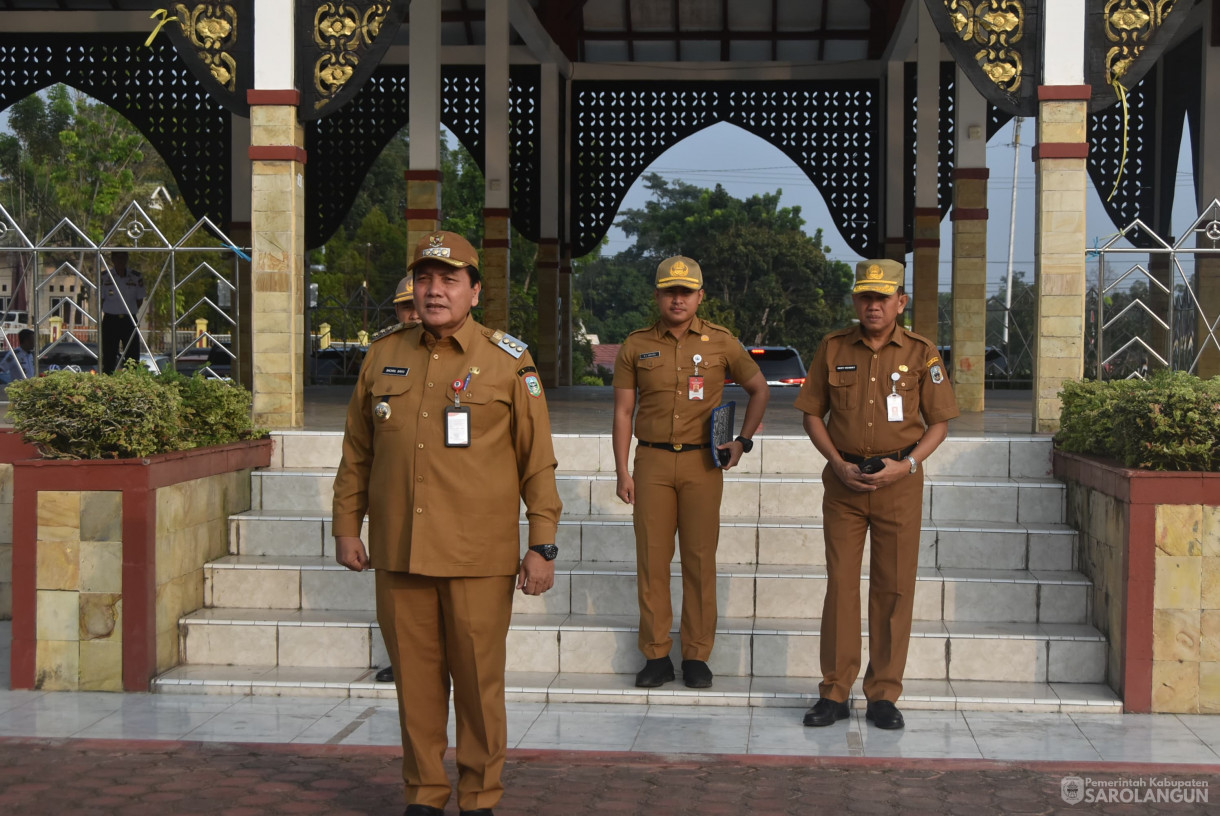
{"x":830,"y":129}
{"x":150,"y":86}
{"x":343,"y":146}
{"x":1136,"y":194}
{"x":945,"y":140}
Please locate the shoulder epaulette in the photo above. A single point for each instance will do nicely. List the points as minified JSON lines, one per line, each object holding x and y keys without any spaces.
{"x":641,"y":331}
{"x":920,"y":338}
{"x":508,"y":343}
{"x":386,"y":332}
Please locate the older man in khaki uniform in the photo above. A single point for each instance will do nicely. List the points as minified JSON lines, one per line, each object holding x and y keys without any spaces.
{"x":877,"y":403}
{"x":447,"y":432}
{"x":678,"y":367}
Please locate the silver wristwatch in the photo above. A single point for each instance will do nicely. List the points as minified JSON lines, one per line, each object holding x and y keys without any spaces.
{"x":914,"y":464}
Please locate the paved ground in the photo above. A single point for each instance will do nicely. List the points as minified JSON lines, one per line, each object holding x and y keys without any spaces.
{"x":133,"y":778}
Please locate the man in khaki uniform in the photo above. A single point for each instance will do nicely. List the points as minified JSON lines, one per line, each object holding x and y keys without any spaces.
{"x":404,"y":300}
{"x":678,"y":368}
{"x":877,"y":403}
{"x":447,"y":432}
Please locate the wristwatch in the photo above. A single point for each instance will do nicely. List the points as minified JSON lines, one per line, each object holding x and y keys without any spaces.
{"x":914,"y":464}
{"x":548,"y":551}
{"x":747,"y":445}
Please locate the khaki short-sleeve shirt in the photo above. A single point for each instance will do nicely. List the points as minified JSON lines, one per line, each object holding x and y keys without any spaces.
{"x":660,"y":367}
{"x":435,"y":509}
{"x":850,"y":382}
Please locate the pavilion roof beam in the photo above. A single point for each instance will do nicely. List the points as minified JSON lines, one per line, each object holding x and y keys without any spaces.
{"x":786,"y":36}
{"x":562,"y":20}
{"x":906,"y":31}
{"x":628,"y":27}
{"x":537,"y":37}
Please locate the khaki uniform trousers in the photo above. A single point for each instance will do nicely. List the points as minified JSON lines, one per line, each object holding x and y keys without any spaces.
{"x":677,"y":492}
{"x":892,"y":518}
{"x":434,"y":629}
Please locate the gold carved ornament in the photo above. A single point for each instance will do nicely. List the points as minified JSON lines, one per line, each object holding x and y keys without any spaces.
{"x":342,"y":31}
{"x":999,"y":27}
{"x":1129,"y":25}
{"x":211,"y":29}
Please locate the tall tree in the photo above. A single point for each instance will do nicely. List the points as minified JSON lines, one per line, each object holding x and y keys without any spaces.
{"x":764,"y":276}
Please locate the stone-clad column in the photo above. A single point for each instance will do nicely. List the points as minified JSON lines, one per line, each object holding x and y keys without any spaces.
{"x":565,"y":320}
{"x":496,"y":232}
{"x":895,"y":180}
{"x":277,"y":222}
{"x":1207,"y":267}
{"x":547,"y":354}
{"x":1061,"y":181}
{"x":424,"y":178}
{"x":924,"y":283}
{"x":550,"y":154}
{"x":970,"y":247}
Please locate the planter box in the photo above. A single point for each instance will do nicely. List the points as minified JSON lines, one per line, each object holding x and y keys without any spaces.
{"x":108,"y":555}
{"x":1150,"y":543}
{"x":13,"y":447}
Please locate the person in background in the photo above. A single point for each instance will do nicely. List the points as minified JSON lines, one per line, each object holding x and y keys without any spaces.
{"x":19,"y":363}
{"x":122,"y":295}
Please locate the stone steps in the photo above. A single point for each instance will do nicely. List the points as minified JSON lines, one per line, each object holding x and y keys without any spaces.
{"x":1000,"y":613}
{"x":609,"y":588}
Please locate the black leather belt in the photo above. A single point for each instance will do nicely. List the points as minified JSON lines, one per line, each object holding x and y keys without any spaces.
{"x":678,"y":448}
{"x":852,"y":459}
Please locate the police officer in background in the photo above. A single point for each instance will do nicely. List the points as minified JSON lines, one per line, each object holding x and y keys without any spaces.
{"x":447,"y":432}
{"x":877,"y":403}
{"x":404,"y":311}
{"x":677,"y":367}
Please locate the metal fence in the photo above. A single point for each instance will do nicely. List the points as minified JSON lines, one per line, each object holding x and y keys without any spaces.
{"x":187,"y":319}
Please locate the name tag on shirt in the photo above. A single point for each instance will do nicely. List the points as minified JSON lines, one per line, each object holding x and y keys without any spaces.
{"x":648,"y":354}
{"x":893,"y":407}
{"x":845,"y":368}
{"x":695,"y":389}
{"x":457,"y":427}
{"x":395,"y":371}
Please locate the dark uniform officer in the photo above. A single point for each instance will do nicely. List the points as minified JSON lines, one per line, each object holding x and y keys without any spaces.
{"x":678,"y":367}
{"x":447,"y":432}
{"x":888,"y":402}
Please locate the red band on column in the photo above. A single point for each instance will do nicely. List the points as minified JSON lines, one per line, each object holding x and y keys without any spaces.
{"x":927,"y":243}
{"x":277,"y":153}
{"x":495,"y":243}
{"x":1065,"y":93}
{"x":494,"y":212}
{"x":968,"y":214}
{"x":932,"y":211}
{"x":1061,"y":150}
{"x":422,"y":214}
{"x":422,"y":175}
{"x":972,"y":173}
{"x":291,"y":97}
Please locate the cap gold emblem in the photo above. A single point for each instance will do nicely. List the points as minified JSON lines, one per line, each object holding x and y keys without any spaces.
{"x":679,"y":269}
{"x":436,"y":240}
{"x":874,"y":272}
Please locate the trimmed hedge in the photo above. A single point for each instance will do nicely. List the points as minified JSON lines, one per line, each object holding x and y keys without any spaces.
{"x":129,"y":414}
{"x":1168,"y":422}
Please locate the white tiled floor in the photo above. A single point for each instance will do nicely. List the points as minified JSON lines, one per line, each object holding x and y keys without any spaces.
{"x":582,"y":726}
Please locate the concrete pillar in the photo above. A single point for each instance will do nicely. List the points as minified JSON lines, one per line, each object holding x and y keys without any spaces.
{"x":424,"y":152}
{"x":895,"y":247}
{"x":923,"y":283}
{"x":277,"y":222}
{"x":970,"y":247}
{"x":1207,"y":267}
{"x":550,"y":155}
{"x":240,"y":235}
{"x":565,"y":320}
{"x":1061,"y":181}
{"x":496,"y":220}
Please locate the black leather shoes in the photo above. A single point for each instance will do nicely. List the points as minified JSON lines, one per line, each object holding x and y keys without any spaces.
{"x":386,"y":675}
{"x":696,"y":674}
{"x":826,"y":712}
{"x":424,"y":810}
{"x":655,"y":673}
{"x":884,"y":714}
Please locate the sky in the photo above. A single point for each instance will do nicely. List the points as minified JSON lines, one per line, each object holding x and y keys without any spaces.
{"x":747,"y":165}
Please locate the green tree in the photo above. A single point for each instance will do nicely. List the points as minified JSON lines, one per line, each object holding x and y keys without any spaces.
{"x":765,"y":278}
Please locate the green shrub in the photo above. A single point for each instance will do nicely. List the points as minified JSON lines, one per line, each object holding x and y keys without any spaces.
{"x":131,"y":413}
{"x":1169,"y":422}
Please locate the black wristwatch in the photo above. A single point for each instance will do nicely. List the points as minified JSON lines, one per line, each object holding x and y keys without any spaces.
{"x":548,"y":551}
{"x":747,"y":445}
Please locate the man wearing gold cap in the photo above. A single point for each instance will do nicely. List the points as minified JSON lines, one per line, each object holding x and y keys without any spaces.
{"x":678,"y":367}
{"x":447,"y":432}
{"x":404,"y":300}
{"x":877,"y":403}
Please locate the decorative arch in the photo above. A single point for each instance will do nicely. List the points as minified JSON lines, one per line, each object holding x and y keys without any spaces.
{"x":151,"y":87}
{"x":831,"y":129}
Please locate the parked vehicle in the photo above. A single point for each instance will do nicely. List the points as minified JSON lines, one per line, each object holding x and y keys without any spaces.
{"x":781,"y":365}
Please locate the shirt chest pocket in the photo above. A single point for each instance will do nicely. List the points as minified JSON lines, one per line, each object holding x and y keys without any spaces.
{"x":389,"y":396}
{"x":844,"y":390}
{"x":908,"y":387}
{"x":488,"y":406}
{"x":652,"y":374}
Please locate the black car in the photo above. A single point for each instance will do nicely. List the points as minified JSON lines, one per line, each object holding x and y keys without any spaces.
{"x":781,"y":365}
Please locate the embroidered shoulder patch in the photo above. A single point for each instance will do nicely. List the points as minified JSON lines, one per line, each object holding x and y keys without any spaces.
{"x":533,"y":385}
{"x":522,"y":372}
{"x":938,"y":373}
